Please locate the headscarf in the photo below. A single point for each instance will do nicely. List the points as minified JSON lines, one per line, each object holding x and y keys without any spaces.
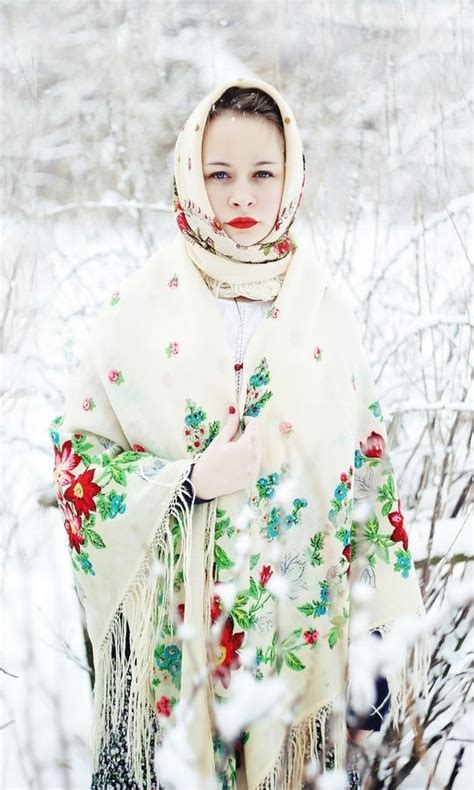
{"x":150,"y":395}
{"x":230,"y":268}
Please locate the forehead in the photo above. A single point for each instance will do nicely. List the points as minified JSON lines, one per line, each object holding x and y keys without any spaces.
{"x":242,"y":137}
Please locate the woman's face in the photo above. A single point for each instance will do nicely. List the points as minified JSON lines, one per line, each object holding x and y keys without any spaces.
{"x":244,"y":172}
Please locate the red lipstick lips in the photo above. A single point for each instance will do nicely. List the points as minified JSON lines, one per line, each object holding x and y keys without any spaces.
{"x":242,"y":222}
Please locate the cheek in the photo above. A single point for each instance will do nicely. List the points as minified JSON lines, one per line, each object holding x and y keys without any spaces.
{"x":274,"y":198}
{"x":215,"y":195}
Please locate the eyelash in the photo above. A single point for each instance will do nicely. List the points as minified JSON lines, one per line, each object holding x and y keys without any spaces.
{"x":219,"y":172}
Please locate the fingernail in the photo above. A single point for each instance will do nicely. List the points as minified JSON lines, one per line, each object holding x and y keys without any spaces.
{"x":231,"y":410}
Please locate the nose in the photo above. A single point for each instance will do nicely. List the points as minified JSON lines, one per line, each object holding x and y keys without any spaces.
{"x":241,"y":197}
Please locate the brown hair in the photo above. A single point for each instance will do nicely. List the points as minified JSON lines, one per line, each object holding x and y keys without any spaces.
{"x":248,"y":100}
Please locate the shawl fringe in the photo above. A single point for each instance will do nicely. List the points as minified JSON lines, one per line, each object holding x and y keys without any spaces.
{"x":145,"y":619}
{"x":307,"y":745}
{"x":411,"y":681}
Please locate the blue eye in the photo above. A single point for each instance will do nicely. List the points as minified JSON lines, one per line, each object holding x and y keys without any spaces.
{"x":218,"y":173}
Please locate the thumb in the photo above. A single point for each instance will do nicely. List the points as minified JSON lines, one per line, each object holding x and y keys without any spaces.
{"x":231,"y":424}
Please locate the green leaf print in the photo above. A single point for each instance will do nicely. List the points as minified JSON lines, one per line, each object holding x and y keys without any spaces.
{"x":292,"y":661}
{"x":221,"y":558}
{"x":380,"y":541}
{"x":94,"y":538}
{"x":317,"y":546}
{"x":242,"y":619}
{"x":308,"y":609}
{"x":254,"y":558}
{"x":253,"y":589}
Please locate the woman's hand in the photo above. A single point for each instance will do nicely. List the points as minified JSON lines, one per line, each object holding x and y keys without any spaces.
{"x":229,"y":464}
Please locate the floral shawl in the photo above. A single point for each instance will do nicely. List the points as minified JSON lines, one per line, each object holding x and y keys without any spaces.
{"x":149,"y":395}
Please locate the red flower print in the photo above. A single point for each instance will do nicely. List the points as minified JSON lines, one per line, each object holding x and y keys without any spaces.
{"x":163,"y":706}
{"x":172,"y":349}
{"x":399,"y":533}
{"x":82,"y":491}
{"x":374,"y":446}
{"x":285,"y":427}
{"x":64,"y":461}
{"x":227,"y":657}
{"x":216,"y":224}
{"x":283,"y":247}
{"x":311,"y":636}
{"x":343,"y":477}
{"x":137,"y":448}
{"x":72,"y":523}
{"x":182,"y":222}
{"x":347,"y":552}
{"x":180,"y":610}
{"x":115,"y":376}
{"x":215,"y":609}
{"x":265,"y":574}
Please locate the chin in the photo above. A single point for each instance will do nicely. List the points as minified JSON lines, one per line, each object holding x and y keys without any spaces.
{"x":247,"y":238}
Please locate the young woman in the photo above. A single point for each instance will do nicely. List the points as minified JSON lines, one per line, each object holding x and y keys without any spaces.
{"x":223,"y":472}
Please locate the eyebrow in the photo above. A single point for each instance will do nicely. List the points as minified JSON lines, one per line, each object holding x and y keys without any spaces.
{"x":226,"y":164}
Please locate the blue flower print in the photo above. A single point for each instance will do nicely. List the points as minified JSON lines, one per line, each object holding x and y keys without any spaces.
{"x":272,"y":528}
{"x":195,"y":418}
{"x":358,"y":459}
{"x":324,"y":591}
{"x":85,"y":563}
{"x":116,"y":505}
{"x":54,"y":436}
{"x":266,"y":486}
{"x":403,"y":563}
{"x":259,"y":379}
{"x":169,"y":659}
{"x":340,"y":492}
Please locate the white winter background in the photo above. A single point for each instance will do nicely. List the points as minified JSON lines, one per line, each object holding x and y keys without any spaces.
{"x":93,"y":95}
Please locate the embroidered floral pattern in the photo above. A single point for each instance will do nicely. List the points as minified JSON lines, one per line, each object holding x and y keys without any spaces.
{"x":376,"y":410}
{"x":174,"y":281}
{"x":115,"y":298}
{"x":273,"y":520}
{"x":375,"y":479}
{"x":198,"y":433}
{"x":115,"y":376}
{"x":88,"y":404}
{"x":82,"y":481}
{"x":168,"y":660}
{"x":227,"y":656}
{"x":223,"y":528}
{"x":164,"y":705}
{"x":172,"y":349}
{"x":272,"y":312}
{"x":317,"y":353}
{"x":256,"y":395}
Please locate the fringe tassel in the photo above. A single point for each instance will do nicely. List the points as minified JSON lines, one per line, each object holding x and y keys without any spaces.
{"x":411,"y":681}
{"x":145,"y":620}
{"x":308,"y":743}
{"x":209,"y":533}
{"x":264,"y":291}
